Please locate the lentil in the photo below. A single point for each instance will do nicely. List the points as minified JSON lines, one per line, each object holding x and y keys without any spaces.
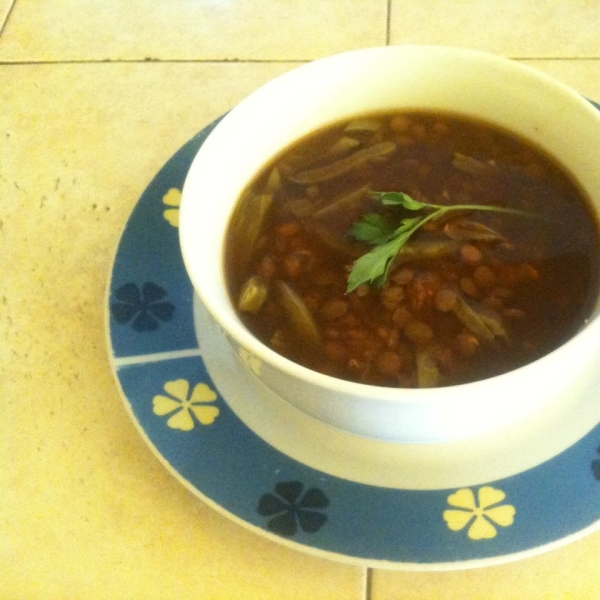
{"x":418,"y":332}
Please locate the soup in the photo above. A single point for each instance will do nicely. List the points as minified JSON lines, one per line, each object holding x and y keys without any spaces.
{"x":412,"y":250}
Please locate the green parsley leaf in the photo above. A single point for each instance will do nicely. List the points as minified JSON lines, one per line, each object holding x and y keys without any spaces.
{"x":399,"y":199}
{"x":373,"y":229}
{"x":374,"y":266}
{"x":408,"y":225}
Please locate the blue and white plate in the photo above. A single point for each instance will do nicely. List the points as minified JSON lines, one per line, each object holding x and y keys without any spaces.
{"x":285,"y":475}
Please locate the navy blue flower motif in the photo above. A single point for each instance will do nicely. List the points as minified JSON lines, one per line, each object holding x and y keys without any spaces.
{"x":289,"y":507}
{"x":596,"y":465}
{"x":144,"y":308}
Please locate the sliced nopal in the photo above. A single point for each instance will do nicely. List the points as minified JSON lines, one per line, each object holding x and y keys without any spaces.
{"x":344,"y":165}
{"x":300,"y":317}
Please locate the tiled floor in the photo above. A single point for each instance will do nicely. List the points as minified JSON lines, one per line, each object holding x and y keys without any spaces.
{"x":539,"y":29}
{"x":182,"y":30}
{"x":5,"y":7}
{"x":95,"y":97}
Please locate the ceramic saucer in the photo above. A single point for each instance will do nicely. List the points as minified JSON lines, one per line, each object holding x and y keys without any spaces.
{"x":300,"y":482}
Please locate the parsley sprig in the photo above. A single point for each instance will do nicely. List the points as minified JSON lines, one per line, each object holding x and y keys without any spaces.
{"x":388,"y":238}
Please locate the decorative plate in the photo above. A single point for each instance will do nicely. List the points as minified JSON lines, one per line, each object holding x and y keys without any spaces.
{"x":305,"y":484}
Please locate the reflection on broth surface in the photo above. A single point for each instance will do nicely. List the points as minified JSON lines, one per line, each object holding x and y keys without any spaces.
{"x":412,"y":250}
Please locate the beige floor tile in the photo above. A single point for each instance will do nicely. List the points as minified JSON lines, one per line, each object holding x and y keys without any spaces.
{"x":582,"y":75}
{"x":5,"y":6}
{"x":537,"y":28}
{"x":569,"y":573}
{"x":86,"y":511}
{"x":182,"y":30}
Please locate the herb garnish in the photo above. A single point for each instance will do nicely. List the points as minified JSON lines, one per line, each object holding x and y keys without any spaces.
{"x":389,"y":238}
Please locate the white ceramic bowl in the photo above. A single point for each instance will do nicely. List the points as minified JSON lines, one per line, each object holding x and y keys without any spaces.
{"x":399,"y":77}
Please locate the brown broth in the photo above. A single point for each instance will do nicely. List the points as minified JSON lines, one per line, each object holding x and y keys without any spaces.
{"x":532,"y":285}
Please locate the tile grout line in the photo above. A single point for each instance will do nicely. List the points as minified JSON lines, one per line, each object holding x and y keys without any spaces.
{"x":388,"y":22}
{"x":226,"y":61}
{"x":7,"y":16}
{"x":101,"y":61}
{"x":368,"y":583}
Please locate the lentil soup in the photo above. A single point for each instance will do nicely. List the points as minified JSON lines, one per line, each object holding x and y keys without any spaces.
{"x":483,"y":259}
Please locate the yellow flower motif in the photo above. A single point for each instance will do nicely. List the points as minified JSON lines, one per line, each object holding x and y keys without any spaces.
{"x":481,"y":515}
{"x":172,"y":198}
{"x":182,"y":405}
{"x":251,"y":361}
